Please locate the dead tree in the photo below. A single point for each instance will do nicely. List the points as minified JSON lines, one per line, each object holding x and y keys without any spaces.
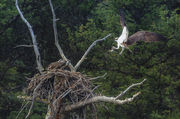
{"x":61,"y":87}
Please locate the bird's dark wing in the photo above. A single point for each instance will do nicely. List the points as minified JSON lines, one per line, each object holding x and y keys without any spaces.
{"x":122,"y":19}
{"x":145,"y":36}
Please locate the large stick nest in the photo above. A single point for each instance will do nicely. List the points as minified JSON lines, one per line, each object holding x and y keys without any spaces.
{"x":59,"y":83}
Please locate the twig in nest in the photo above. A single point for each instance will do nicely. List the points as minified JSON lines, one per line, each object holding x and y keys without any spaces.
{"x":22,"y":109}
{"x":35,"y":94}
{"x":91,"y":93}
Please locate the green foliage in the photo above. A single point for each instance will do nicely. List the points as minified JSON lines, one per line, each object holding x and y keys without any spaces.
{"x":174,"y":115}
{"x":38,"y":112}
{"x":149,"y":60}
{"x":7,"y":9}
{"x":80,"y":23}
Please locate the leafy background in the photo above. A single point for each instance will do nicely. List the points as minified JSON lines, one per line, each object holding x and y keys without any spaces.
{"x":80,"y":23}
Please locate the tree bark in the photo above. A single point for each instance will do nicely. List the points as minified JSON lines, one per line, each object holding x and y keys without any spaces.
{"x":35,"y":46}
{"x":88,"y":50}
{"x":56,"y":38}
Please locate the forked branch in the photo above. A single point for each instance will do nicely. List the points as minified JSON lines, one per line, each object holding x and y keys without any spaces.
{"x":127,"y":89}
{"x":87,"y":51}
{"x":100,"y":99}
{"x":56,"y":38}
{"x":114,"y":100}
{"x":36,"y":50}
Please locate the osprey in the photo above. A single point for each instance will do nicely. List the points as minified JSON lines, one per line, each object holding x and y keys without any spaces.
{"x":123,"y":37}
{"x":123,"y":41}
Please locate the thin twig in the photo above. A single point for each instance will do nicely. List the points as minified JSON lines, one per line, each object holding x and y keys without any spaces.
{"x":22,"y":109}
{"x":32,"y":104}
{"x":24,"y":46}
{"x":35,"y":94}
{"x":65,"y":92}
{"x":127,"y":89}
{"x":98,"y":77}
{"x":87,"y":51}
{"x":91,"y":93}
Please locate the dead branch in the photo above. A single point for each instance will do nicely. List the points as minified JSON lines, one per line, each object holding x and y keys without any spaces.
{"x":87,"y":51}
{"x":56,"y":38}
{"x":98,"y":77}
{"x":100,"y":99}
{"x":24,"y":46}
{"x":36,"y":50}
{"x":22,"y":109}
{"x":133,"y":85}
{"x":114,"y":100}
{"x":33,"y":99}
